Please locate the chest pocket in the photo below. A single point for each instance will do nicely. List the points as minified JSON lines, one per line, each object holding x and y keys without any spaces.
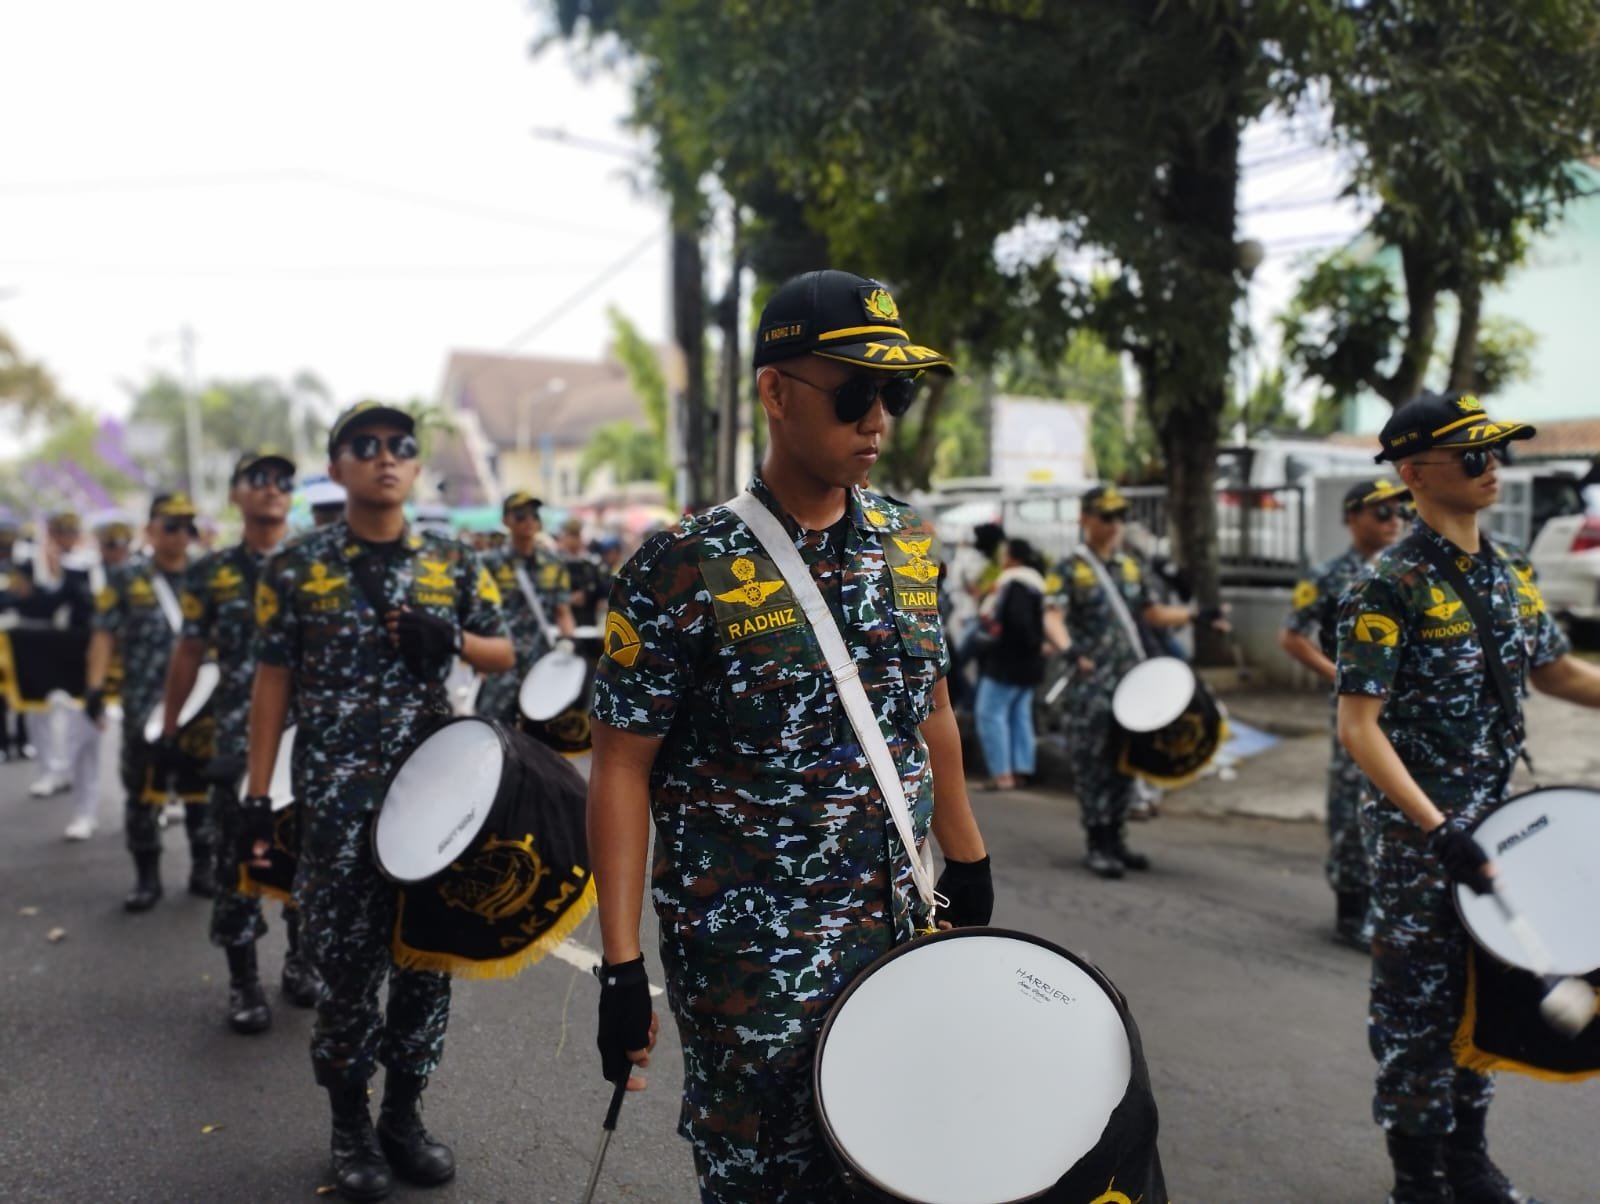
{"x":921,"y":638}
{"x":776,"y":701}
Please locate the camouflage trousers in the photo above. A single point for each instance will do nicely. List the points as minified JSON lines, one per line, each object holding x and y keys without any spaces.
{"x":347,"y":911}
{"x":236,"y":917}
{"x":147,"y":792}
{"x":1347,"y":867}
{"x":1419,"y":974}
{"x":1104,"y":793}
{"x":497,"y":697}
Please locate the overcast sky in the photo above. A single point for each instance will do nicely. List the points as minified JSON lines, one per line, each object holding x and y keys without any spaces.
{"x":355,"y":188}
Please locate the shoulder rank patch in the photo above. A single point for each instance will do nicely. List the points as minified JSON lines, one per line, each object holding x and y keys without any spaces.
{"x":621,"y":639}
{"x":266,"y":603}
{"x":488,"y":591}
{"x":1373,"y":628}
{"x":876,"y":517}
{"x":750,"y":597}
{"x":1305,"y":593}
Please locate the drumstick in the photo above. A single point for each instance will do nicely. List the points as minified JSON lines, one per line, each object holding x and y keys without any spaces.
{"x":1569,"y":1003}
{"x":606,"y":1130}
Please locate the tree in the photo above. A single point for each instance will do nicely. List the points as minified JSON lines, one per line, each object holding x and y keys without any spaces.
{"x":633,"y":453}
{"x":28,"y":389}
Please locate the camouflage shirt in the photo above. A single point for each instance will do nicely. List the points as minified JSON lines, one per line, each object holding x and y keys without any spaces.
{"x":1406,"y":637}
{"x":129,"y":608}
{"x":548,"y":576}
{"x":777,"y":877}
{"x":1314,"y":609}
{"x":1092,"y":623}
{"x":219,"y":608}
{"x":360,"y":708}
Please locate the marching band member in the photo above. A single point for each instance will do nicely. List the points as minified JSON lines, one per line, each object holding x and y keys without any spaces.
{"x":219,"y":616}
{"x":775,"y":879}
{"x":1421,"y":716}
{"x":54,"y":590}
{"x":524,"y":572}
{"x":138,"y":614}
{"x":1376,"y":512}
{"x":360,"y":622}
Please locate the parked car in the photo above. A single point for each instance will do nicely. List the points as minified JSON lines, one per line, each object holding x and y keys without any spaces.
{"x":1566,"y":554}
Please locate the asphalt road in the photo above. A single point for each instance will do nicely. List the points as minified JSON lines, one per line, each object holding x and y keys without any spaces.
{"x":115,"y":1060}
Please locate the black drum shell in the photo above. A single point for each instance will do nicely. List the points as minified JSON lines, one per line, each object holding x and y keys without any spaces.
{"x":1174,"y":755}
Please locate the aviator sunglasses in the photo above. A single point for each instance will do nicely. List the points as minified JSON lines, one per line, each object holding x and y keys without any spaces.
{"x":366,"y":447}
{"x":1383,"y":512}
{"x":854,"y":398}
{"x":260,"y":478}
{"x":173,"y":525}
{"x":1475,"y":462}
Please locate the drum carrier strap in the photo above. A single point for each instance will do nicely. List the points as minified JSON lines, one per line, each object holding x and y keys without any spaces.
{"x":846,"y":674}
{"x":532,"y":595}
{"x":1499,"y":676}
{"x":1119,"y":606}
{"x":168,"y":600}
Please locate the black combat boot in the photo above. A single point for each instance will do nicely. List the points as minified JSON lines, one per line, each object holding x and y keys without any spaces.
{"x":202,"y":873}
{"x":247,"y":1002}
{"x":301,"y":986}
{"x":416,"y":1156}
{"x":146,"y":892}
{"x":1102,"y":858}
{"x":1418,"y":1170}
{"x":1475,"y":1179}
{"x":1350,"y":920}
{"x":1120,"y":850}
{"x":360,"y":1171}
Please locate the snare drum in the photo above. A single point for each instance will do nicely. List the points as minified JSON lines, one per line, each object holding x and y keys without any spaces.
{"x":277,"y":880}
{"x":554,"y":696}
{"x":196,"y":708}
{"x":1039,"y":1089}
{"x":1544,"y":845}
{"x":483,"y":829}
{"x":1171,"y":726}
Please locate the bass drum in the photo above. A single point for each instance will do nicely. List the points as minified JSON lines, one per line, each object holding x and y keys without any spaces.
{"x":482,"y":827}
{"x":1039,"y":1090}
{"x":196,"y":708}
{"x":554,"y":697}
{"x":277,"y":879}
{"x":1170,"y":725}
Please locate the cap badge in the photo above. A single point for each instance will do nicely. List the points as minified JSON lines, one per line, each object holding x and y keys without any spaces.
{"x":879,"y":304}
{"x":1469,"y":404}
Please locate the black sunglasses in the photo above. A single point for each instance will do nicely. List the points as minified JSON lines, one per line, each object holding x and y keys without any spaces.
{"x":1383,"y":512}
{"x":1474,"y":462}
{"x":260,"y":478}
{"x":173,"y":525}
{"x":854,"y":398}
{"x":522,"y":513}
{"x":366,"y":447}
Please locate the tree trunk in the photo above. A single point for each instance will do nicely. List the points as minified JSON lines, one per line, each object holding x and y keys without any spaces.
{"x":1464,"y":359}
{"x":729,"y":311}
{"x":1422,"y":328}
{"x":689,"y":331}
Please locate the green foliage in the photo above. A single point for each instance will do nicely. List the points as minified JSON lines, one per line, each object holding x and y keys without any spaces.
{"x":632,"y":454}
{"x":643,"y":365}
{"x":240,"y":414}
{"x":1343,"y":324}
{"x":27,"y":390}
{"x":1504,"y":355}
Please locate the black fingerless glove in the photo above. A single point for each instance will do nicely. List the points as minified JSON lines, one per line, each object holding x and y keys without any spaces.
{"x":427,"y":643}
{"x":94,"y":704}
{"x":255,"y":824}
{"x":1463,"y":858}
{"x":970,"y":888}
{"x":624,"y":1015}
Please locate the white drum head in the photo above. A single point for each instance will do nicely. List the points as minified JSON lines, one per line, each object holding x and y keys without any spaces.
{"x":1028,"y":1043}
{"x":281,"y":789}
{"x":439,"y":801}
{"x":1152,"y":694}
{"x":1545,"y":844}
{"x":553,"y":684}
{"x":205,"y":684}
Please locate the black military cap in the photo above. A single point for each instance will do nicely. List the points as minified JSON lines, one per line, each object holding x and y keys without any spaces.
{"x":520,"y":498}
{"x":367,"y":413}
{"x":1370,"y":493}
{"x":1104,"y":501}
{"x":171,"y":505}
{"x":1444,"y":420}
{"x":260,"y":455}
{"x":844,"y":317}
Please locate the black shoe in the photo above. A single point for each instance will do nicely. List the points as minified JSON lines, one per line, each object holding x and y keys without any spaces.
{"x":247,"y":1002}
{"x":146,"y":892}
{"x":301,"y":986}
{"x":1473,"y":1177}
{"x":1130,"y":860}
{"x":415,"y":1155}
{"x":360,"y":1171}
{"x":1418,"y":1171}
{"x":1102,"y":863}
{"x":202,"y":883}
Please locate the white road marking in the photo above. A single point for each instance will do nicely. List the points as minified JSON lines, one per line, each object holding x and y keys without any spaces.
{"x":584,"y":958}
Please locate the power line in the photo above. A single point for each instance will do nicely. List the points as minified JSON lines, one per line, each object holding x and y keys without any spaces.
{"x":560,"y":311}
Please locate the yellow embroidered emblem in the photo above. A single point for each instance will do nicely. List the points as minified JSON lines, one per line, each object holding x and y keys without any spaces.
{"x":621,"y":640}
{"x":750,"y":591}
{"x":881,"y":305}
{"x":320,"y":582}
{"x":1112,"y":1196}
{"x":505,"y":575}
{"x":225,"y":578}
{"x":1082,"y":574}
{"x":266,"y":603}
{"x":140,"y":592}
{"x":435,"y":574}
{"x":1469,"y":404}
{"x":1442,"y":607}
{"x":106,"y":599}
{"x":919,"y":568}
{"x":487,"y":589}
{"x":877,"y":517}
{"x":1305,"y":593}
{"x":1130,"y":570}
{"x":191,"y":607}
{"x":1529,"y":589}
{"x":1373,"y":628}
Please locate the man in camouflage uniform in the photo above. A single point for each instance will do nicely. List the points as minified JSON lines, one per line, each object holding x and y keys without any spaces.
{"x":547,"y":578}
{"x":1103,"y":649}
{"x":777,"y":879}
{"x":219,"y":619}
{"x":138,"y":614}
{"x":1375,"y":513}
{"x":1419,"y":715}
{"x":360,"y":623}
{"x":583,"y":571}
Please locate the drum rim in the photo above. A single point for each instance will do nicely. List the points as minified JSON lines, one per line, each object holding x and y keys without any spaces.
{"x":835,"y":1147}
{"x":388,"y":782}
{"x":550,"y":658}
{"x":1460,"y":890}
{"x":1195,"y":687}
{"x":157,"y":718}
